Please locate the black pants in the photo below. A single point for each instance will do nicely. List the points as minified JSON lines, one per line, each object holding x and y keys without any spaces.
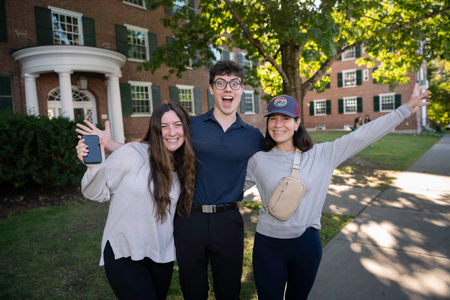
{"x":295,"y":261}
{"x":218,"y":238}
{"x":143,"y":279}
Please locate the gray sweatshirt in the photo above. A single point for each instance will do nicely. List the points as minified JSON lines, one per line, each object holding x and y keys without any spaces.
{"x":265,"y":169}
{"x":131,"y":227}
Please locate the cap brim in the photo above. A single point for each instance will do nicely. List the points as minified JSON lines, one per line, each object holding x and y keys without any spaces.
{"x":281,"y":112}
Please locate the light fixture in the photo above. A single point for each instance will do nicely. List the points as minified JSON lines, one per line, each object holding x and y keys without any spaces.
{"x":82,"y":83}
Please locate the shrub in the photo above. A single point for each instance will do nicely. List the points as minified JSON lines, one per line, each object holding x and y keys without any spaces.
{"x":38,"y":150}
{"x":431,"y":133}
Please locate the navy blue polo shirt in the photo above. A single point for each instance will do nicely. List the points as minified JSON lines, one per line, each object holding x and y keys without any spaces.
{"x":222,"y":157}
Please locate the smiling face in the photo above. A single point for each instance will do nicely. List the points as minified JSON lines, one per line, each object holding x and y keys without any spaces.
{"x":172,"y":131}
{"x":281,"y":129}
{"x":226,"y":101}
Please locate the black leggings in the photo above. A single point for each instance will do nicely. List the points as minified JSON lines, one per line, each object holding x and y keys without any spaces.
{"x":142,"y":279}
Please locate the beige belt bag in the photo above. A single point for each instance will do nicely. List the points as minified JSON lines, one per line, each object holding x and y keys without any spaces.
{"x":288,"y":194}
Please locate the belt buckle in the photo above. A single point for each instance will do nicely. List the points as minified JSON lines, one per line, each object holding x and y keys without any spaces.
{"x":209,"y":209}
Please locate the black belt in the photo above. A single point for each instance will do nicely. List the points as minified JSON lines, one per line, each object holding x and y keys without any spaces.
{"x":211,"y":209}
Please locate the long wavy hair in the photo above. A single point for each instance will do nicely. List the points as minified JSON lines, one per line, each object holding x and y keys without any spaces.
{"x":302,"y":140}
{"x":161,"y":163}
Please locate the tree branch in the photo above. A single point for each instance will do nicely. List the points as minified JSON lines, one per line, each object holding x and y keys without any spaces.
{"x":256,"y":42}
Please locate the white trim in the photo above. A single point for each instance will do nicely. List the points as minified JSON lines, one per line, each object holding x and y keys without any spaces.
{"x":347,"y":51}
{"x":381,"y":102}
{"x":324,"y":114}
{"x":252,"y":92}
{"x":344,"y":106}
{"x":65,"y":11}
{"x":343,"y":78}
{"x":150,"y":100}
{"x":135,"y":5}
{"x":141,"y":29}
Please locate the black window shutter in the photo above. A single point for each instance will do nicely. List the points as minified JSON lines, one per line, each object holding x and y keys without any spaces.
{"x":341,"y":106}
{"x":125,"y":98}
{"x":240,"y":59}
{"x":243,"y":102}
{"x":374,"y":80}
{"x":197,"y":101}
{"x":339,"y":76}
{"x":226,"y":54}
{"x":156,"y":96}
{"x":6,"y":100}
{"x":358,"y":51}
{"x":210,"y":100}
{"x":359,"y":104}
{"x":358,"y":77}
{"x":174,"y":97}
{"x":169,"y":40}
{"x":152,"y":44}
{"x":311,"y":108}
{"x":329,"y":83}
{"x":168,"y":10}
{"x":398,"y":100}
{"x":149,"y":4}
{"x":192,"y":5}
{"x":256,"y":101}
{"x":328,"y":106}
{"x":376,"y":103}
{"x":89,"y":32}
{"x":3,"y":29}
{"x":44,"y":31}
{"x":122,"y":39}
{"x":195,"y":60}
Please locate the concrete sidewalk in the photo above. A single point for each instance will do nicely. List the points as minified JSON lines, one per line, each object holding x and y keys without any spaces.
{"x":398,"y":247}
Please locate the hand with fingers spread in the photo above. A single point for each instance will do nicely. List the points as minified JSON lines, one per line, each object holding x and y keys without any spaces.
{"x":104,"y":135}
{"x":417,"y":97}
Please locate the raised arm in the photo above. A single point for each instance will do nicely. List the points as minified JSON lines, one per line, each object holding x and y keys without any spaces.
{"x":105,"y":135}
{"x":416,"y":98}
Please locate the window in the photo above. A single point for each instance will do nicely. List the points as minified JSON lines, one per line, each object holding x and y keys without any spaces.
{"x":247,"y":62}
{"x":83,"y":104}
{"x":231,"y":56}
{"x":249,"y":104}
{"x":141,"y":97}
{"x":67,"y":28}
{"x":350,"y":105}
{"x":320,"y":107}
{"x":139,"y":3}
{"x":186,"y":97}
{"x":387,"y":102}
{"x":349,"y":78}
{"x":137,"y":42}
{"x":349,"y":54}
{"x":366,"y":75}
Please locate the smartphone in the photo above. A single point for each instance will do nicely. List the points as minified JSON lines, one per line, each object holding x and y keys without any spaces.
{"x":95,"y":153}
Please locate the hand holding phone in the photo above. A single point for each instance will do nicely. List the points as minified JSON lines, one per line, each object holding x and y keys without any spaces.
{"x":94,"y":155}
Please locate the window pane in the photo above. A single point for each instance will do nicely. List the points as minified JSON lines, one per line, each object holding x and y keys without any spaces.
{"x":140,"y":98}
{"x":185,"y":96}
{"x":248,"y":102}
{"x":387,"y":102}
{"x":320,"y":107}
{"x":350,"y":105}
{"x":136,"y":44}
{"x":63,"y":31}
{"x":350,"y":78}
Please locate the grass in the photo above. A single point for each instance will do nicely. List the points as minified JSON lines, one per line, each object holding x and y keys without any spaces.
{"x":53,"y":253}
{"x":392,"y":152}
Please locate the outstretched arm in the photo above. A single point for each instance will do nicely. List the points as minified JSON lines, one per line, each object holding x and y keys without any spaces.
{"x":104,"y":135}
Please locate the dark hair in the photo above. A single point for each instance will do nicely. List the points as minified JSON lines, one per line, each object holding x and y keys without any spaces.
{"x":226,"y":67}
{"x":302,"y":140}
{"x":161,"y":163}
{"x":366,"y":119}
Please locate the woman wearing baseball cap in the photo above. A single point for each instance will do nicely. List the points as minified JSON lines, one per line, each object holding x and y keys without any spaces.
{"x":290,"y":251}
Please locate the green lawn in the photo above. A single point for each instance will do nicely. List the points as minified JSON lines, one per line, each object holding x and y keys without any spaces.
{"x":393,"y":152}
{"x":53,"y":253}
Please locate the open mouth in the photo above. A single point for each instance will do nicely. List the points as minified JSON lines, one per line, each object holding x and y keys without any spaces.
{"x":227,"y":100}
{"x":172,"y":140}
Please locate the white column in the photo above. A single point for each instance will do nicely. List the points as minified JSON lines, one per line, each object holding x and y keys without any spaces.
{"x":109,"y":103}
{"x":116,"y":108}
{"x":31,"y":97}
{"x":65,"y":87}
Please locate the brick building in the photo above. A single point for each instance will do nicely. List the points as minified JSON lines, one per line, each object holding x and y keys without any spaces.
{"x":79,"y":58}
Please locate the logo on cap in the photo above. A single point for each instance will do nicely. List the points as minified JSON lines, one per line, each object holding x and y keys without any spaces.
{"x":280,"y":102}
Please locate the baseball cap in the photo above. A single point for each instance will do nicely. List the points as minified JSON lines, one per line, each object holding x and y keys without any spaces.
{"x":285,"y":105}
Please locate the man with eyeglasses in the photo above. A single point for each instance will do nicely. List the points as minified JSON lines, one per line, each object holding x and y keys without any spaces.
{"x":214,"y":231}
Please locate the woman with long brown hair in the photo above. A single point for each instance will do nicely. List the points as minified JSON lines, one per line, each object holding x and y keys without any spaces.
{"x":147,"y":183}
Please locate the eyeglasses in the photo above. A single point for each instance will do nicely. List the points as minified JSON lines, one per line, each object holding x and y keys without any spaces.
{"x":221,"y":84}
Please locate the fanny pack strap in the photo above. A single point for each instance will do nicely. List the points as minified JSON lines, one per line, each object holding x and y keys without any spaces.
{"x":296,"y":164}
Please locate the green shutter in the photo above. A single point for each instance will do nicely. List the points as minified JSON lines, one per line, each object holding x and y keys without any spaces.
{"x":339,"y":80}
{"x":340,"y":57}
{"x":168,"y":10}
{"x":329,"y":83}
{"x":3,"y":29}
{"x":125,"y":98}
{"x":6,"y":100}
{"x":156,"y":96}
{"x":256,"y":101}
{"x":359,"y":104}
{"x":358,"y":77}
{"x":210,"y":100}
{"x":373,"y":70}
{"x":89,"y":32}
{"x":148,"y":4}
{"x":341,"y":106}
{"x":169,"y":41}
{"x":376,"y":103}
{"x":243,"y":102}
{"x":311,"y":108}
{"x":174,"y":97}
{"x":328,"y":106}
{"x":398,"y":100}
{"x":192,"y":5}
{"x":44,"y":31}
{"x":358,"y":51}
{"x":226,"y":54}
{"x":197,"y":101}
{"x":240,"y":59}
{"x":122,"y":39}
{"x":152,"y":44}
{"x":195,"y":60}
